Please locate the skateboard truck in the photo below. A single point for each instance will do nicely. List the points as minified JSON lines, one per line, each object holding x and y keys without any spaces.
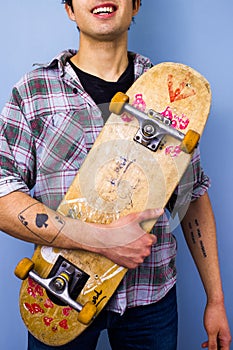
{"x":153,"y":126}
{"x":58,"y":286}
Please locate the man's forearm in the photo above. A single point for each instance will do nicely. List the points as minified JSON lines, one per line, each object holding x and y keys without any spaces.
{"x":122,"y":241}
{"x":27,"y":219}
{"x":200,"y":232}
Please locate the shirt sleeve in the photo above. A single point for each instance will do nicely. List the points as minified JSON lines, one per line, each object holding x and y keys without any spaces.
{"x":193,"y":185}
{"x":17,"y":148}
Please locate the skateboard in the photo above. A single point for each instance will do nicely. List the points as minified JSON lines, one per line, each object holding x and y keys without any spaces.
{"x":135,"y":163}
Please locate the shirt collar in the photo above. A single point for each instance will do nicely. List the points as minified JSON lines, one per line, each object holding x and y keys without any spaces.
{"x":141,"y":63}
{"x":59,"y":61}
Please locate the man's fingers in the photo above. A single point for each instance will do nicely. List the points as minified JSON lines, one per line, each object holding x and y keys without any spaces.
{"x":153,"y":238}
{"x":150,"y":214}
{"x":204,"y":345}
{"x":145,"y":215}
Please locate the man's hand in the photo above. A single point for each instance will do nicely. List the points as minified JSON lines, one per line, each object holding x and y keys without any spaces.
{"x":125,"y":242}
{"x":217,"y":328}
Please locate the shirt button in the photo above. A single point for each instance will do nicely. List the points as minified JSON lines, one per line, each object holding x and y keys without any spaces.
{"x":75,"y":91}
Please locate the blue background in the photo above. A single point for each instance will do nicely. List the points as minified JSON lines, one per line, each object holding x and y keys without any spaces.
{"x":197,"y":33}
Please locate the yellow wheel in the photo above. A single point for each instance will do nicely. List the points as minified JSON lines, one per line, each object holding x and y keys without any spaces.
{"x":190,"y":141}
{"x":117,"y":103}
{"x":23,"y":268}
{"x":87,"y":313}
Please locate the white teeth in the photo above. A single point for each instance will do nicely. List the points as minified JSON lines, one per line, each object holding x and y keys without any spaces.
{"x":103,"y":10}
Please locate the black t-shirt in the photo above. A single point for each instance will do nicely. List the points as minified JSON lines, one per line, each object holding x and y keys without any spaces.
{"x":101,"y":90}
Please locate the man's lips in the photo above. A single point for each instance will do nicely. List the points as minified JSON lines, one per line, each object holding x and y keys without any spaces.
{"x":104,"y":9}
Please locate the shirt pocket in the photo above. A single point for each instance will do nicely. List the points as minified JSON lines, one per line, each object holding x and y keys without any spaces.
{"x":60,"y":142}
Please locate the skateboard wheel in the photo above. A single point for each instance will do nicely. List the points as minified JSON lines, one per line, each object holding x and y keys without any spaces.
{"x":87,"y":313}
{"x":190,"y":141}
{"x":117,"y":103}
{"x":23,"y":268}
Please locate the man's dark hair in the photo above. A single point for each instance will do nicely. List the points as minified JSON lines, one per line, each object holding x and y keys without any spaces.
{"x":69,"y":2}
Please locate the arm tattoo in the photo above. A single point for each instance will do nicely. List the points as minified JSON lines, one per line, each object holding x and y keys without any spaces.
{"x":203,"y":249}
{"x":46,"y":226}
{"x":196,"y":235}
{"x":191,"y":233}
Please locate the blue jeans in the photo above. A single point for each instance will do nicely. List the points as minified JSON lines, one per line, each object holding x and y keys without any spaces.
{"x":150,"y":327}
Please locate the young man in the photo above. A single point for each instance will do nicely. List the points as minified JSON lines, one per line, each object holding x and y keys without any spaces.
{"x":45,"y":139}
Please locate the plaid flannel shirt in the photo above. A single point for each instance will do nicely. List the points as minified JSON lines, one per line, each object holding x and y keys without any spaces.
{"x":46,"y":130}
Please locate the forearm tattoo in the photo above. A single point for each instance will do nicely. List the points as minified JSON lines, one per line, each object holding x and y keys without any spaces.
{"x":196,"y":236}
{"x":41,"y":223}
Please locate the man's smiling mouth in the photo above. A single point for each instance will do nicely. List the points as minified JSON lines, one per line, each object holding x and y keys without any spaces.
{"x":104,"y":10}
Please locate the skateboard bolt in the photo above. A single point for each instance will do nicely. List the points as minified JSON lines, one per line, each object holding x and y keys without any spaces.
{"x":149,"y":130}
{"x":59,"y":283}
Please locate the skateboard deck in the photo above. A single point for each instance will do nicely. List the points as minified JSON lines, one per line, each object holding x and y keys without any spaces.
{"x":136,"y":163}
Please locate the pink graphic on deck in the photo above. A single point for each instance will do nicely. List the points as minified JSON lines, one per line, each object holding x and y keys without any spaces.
{"x":34,"y":289}
{"x":178,"y":122}
{"x":48,"y":304}
{"x":127,"y":117}
{"x":37,"y":292}
{"x":66,"y":311}
{"x":173,"y":151}
{"x":138,"y":103}
{"x":47,"y":321}
{"x":34,"y":308}
{"x":63,"y":324}
{"x":182,"y":91}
